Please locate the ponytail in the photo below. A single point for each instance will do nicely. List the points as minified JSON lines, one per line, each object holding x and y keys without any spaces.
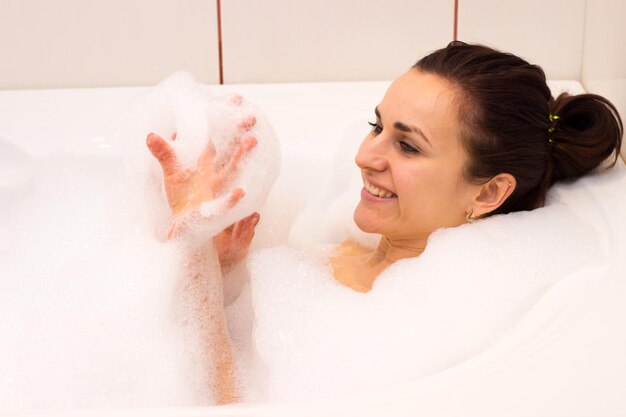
{"x":588,"y":131}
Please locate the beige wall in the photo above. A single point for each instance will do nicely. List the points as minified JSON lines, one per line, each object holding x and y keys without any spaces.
{"x":330,"y":40}
{"x":84,"y":43}
{"x":91,"y":43}
{"x":545,"y":32}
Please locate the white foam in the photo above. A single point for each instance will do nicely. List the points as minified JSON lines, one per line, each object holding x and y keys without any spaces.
{"x":88,"y":296}
{"x":88,"y":282}
{"x":16,"y":172}
{"x":15,"y":166}
{"x":328,"y":219}
{"x":180,"y":105}
{"x":320,"y":339}
{"x":469,"y":288}
{"x":85,"y":299}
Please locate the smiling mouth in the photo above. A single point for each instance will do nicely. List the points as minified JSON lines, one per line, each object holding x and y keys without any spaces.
{"x":378,"y":192}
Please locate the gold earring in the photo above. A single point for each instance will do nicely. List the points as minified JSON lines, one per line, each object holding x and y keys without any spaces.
{"x":470,"y":216}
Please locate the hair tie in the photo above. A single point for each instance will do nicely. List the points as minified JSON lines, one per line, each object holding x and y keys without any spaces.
{"x":554,"y":119}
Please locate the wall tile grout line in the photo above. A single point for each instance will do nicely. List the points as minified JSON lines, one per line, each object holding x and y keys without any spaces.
{"x":219,"y":41}
{"x":456,"y":20}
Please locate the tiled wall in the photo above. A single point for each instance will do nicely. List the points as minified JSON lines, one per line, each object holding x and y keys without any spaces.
{"x":84,"y":43}
{"x":545,"y":32}
{"x":93,"y":43}
{"x":90,"y":43}
{"x":330,"y":40}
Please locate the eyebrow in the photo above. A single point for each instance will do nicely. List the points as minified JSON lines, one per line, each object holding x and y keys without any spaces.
{"x":405,"y":128}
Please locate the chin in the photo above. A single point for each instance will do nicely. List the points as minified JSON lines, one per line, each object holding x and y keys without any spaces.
{"x":366,"y":223}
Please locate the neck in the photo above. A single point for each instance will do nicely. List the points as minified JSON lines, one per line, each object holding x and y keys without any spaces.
{"x":390,"y":250}
{"x":358,"y":268}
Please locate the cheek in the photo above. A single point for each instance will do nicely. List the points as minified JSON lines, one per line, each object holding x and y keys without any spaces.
{"x":431,"y":194}
{"x":419,"y":183}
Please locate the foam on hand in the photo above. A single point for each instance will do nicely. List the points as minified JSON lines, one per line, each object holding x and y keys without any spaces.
{"x":199,"y":119}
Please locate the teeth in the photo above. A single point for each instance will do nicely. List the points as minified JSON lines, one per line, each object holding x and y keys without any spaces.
{"x":377,"y":191}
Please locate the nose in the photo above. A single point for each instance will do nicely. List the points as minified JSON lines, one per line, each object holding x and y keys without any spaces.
{"x":372,"y":153}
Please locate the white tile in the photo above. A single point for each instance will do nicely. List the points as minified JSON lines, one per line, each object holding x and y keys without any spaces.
{"x":329,"y":40}
{"x":545,"y":32}
{"x":94,"y":43}
{"x":604,"y":55}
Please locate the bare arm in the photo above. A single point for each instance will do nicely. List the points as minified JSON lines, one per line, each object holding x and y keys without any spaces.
{"x":202,"y":308}
{"x":201,"y":295}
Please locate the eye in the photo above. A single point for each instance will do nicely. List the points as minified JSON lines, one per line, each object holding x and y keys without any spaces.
{"x":376,"y":128}
{"x":406,"y":148}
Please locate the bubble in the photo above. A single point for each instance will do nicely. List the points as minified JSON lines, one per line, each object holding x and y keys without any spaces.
{"x":199,"y":119}
{"x":90,"y":290}
{"x":319,"y":339}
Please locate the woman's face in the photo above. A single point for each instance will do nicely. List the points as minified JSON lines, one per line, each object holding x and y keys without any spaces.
{"x":412,"y":162}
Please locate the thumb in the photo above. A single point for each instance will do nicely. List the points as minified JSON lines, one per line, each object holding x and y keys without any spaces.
{"x":163,"y":152}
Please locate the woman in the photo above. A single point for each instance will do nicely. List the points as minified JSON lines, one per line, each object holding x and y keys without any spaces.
{"x":466,"y":133}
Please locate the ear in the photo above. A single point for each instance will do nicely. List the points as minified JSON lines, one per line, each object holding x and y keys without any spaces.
{"x":493,"y":194}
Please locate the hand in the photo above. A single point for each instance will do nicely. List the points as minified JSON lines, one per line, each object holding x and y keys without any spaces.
{"x":233,"y":243}
{"x":187,"y":189}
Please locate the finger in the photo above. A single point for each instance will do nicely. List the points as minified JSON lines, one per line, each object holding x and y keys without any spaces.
{"x":219,"y":205}
{"x":229,"y":230}
{"x":236,"y":229}
{"x":247,"y":232}
{"x":249,"y":223}
{"x":242,"y":149}
{"x":173,"y":137}
{"x":235,"y":195}
{"x":206,"y":159}
{"x":247,"y":123}
{"x":236,"y":100}
{"x":241,"y":227}
{"x":163,"y":152}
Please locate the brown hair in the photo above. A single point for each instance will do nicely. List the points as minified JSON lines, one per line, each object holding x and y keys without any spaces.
{"x":504,"y":110}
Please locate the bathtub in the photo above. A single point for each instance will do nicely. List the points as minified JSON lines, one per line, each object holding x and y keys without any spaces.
{"x":565,"y":357}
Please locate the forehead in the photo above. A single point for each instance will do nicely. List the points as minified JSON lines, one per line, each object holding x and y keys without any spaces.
{"x":424,"y":100}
